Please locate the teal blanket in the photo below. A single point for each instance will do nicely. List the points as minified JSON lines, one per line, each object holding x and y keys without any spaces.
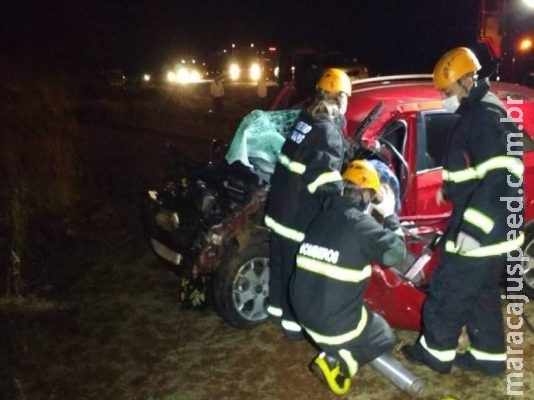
{"x":259,"y":138}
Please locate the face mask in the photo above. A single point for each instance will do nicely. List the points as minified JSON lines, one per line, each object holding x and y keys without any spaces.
{"x":451,"y":103}
{"x":343,"y":102}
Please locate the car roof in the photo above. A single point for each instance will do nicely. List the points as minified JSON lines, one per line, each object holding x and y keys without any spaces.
{"x":403,"y":93}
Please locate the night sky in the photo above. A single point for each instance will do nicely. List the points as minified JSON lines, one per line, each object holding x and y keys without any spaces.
{"x":389,"y":35}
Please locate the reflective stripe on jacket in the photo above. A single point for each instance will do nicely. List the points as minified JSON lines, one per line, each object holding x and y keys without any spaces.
{"x":308,"y":169}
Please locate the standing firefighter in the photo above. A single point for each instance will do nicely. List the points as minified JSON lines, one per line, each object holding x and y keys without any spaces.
{"x":307,"y":172}
{"x":332,"y":273}
{"x":477,"y":174}
{"x":217,"y":92}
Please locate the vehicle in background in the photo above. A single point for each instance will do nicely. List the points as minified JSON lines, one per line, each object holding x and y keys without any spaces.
{"x":244,"y":70}
{"x":186,"y":71}
{"x":352,"y":67}
{"x":301,"y":68}
{"x":140,"y":78}
{"x":505,"y":28}
{"x":112,"y":78}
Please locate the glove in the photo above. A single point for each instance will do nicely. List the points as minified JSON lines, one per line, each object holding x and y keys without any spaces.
{"x":465,"y":242}
{"x":386,"y":205}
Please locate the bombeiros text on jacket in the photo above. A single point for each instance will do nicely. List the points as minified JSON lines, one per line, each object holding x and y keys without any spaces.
{"x":319,"y":253}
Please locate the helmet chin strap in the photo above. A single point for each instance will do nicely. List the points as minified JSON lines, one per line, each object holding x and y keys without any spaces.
{"x":464,"y":87}
{"x":361,"y":204}
{"x":358,"y":198}
{"x":466,"y":90}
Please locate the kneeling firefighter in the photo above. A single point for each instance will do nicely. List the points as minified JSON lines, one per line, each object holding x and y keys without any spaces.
{"x":333,"y":268}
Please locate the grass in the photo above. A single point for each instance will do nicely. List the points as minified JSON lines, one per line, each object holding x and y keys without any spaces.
{"x":38,"y":170}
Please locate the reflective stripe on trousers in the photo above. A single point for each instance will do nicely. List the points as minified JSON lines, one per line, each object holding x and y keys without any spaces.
{"x":340,"y":339}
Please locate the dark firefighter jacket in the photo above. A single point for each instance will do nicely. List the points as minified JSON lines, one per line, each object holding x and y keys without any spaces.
{"x":482,"y":166}
{"x":334,"y":267}
{"x":308,"y":168}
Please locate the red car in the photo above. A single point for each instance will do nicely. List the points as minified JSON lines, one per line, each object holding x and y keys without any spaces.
{"x":401,"y":117}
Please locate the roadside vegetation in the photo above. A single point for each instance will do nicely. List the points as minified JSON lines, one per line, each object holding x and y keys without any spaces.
{"x":40,"y":174}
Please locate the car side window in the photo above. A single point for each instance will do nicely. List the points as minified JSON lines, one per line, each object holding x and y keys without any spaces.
{"x":432,"y":133}
{"x":394,"y":141}
{"x":395,"y":133}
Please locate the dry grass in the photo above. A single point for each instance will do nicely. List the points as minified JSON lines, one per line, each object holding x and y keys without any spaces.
{"x":38,"y":170}
{"x":109,"y":325}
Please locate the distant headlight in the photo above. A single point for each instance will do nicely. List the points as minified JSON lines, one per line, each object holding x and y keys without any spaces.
{"x":171,"y":76}
{"x":194,"y":76}
{"x":182,"y":76}
{"x":234,"y":72}
{"x":525,"y":44}
{"x":187,"y":75}
{"x":146,"y":77}
{"x":254,"y":71}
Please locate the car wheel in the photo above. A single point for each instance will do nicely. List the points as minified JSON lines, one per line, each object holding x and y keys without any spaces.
{"x":241,"y":286}
{"x":528,"y":264}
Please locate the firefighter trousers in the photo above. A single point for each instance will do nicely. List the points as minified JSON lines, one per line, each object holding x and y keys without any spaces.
{"x":464,"y":291}
{"x":376,"y":339}
{"x":281,"y":267}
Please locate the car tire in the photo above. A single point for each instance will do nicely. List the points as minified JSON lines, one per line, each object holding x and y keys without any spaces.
{"x":528,"y":264}
{"x":241,"y":285}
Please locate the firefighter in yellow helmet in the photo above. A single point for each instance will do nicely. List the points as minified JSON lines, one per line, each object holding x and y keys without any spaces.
{"x":306,"y":173}
{"x":478,"y":172}
{"x":455,"y":75}
{"x":333,"y":268}
{"x":334,"y":80}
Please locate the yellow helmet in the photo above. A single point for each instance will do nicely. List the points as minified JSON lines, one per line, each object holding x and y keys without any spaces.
{"x":334,"y":80}
{"x":453,"y":65}
{"x":363,"y":174}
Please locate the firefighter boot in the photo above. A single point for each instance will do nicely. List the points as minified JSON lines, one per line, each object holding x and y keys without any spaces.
{"x":328,"y":370}
{"x":415,"y":355}
{"x":467,"y":362}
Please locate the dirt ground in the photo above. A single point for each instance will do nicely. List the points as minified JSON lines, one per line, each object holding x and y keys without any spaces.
{"x":116,"y":329}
